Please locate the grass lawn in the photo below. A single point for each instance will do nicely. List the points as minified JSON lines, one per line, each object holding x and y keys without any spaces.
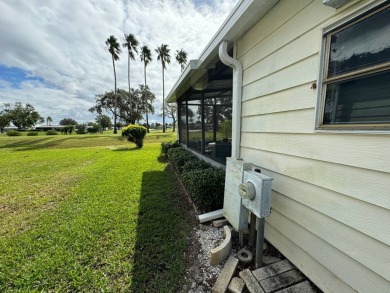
{"x":89,"y":213}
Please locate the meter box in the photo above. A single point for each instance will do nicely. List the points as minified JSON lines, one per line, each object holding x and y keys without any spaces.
{"x":255,"y":191}
{"x":233,"y":210}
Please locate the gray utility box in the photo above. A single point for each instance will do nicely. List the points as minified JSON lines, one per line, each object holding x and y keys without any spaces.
{"x":256,"y":192}
{"x":233,"y":210}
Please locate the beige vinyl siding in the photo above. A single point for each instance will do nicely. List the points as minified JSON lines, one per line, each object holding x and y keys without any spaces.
{"x":331,"y":190}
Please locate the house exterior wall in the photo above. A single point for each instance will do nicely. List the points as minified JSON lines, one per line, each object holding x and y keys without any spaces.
{"x":331,"y":190}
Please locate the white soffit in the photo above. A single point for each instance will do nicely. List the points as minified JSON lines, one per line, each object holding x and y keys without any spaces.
{"x":244,"y":15}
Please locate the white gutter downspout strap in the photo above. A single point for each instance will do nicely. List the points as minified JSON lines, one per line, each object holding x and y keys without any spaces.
{"x":237,"y":95}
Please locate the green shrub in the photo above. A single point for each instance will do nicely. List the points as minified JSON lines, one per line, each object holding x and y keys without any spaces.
{"x":195,"y":165}
{"x":179,"y":157}
{"x":206,"y":187}
{"x":94,"y":128}
{"x":81,"y":129}
{"x":165,"y":146}
{"x":13,"y":133}
{"x":51,"y":132}
{"x":67,"y":129}
{"x":135,"y":134}
{"x":32,"y":133}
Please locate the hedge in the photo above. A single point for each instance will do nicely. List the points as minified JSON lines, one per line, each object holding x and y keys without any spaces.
{"x":205,"y":183}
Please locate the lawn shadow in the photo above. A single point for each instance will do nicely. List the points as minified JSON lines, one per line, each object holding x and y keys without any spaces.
{"x":163,"y":228}
{"x":125,"y":149}
{"x":33,"y":144}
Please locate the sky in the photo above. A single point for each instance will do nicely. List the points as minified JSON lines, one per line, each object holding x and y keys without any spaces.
{"x":53,"y":53}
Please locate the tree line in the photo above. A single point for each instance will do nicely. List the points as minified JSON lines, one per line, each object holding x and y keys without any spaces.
{"x":26,"y":117}
{"x":134,"y":103}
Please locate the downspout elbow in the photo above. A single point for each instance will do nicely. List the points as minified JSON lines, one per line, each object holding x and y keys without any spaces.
{"x":237,"y":96}
{"x":227,"y":60}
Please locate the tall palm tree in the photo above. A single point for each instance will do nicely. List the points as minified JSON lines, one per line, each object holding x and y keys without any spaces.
{"x":131,"y":44}
{"x":181,"y":58}
{"x":115,"y":50}
{"x":49,"y":120}
{"x":146,"y":57}
{"x":163,"y":55}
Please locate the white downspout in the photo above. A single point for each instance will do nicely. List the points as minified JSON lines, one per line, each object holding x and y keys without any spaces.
{"x":237,"y":95}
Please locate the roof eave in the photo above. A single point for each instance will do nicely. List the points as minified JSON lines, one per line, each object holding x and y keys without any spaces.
{"x":244,"y":15}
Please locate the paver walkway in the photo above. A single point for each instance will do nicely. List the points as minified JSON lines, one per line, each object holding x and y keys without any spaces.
{"x":278,"y":277}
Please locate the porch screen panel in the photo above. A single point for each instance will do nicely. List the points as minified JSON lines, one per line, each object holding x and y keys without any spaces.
{"x":183,"y":123}
{"x":194,"y":127}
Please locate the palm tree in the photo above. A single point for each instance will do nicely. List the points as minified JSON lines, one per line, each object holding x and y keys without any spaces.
{"x":146,"y":57}
{"x":115,"y":50}
{"x":181,"y":58}
{"x":163,"y":55}
{"x":49,"y":120}
{"x":131,"y":44}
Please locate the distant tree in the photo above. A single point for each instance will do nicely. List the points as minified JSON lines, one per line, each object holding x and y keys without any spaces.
{"x":104,"y":121}
{"x":131,"y":44}
{"x":115,"y":50}
{"x":49,"y":120}
{"x":4,"y":121}
{"x":181,"y":58}
{"x":146,"y":57}
{"x":68,"y":121}
{"x":22,"y":116}
{"x":125,"y":103}
{"x":147,"y":102}
{"x":170,"y":110}
{"x":165,"y":58}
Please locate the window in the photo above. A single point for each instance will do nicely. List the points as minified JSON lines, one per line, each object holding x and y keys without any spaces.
{"x":356,"y":78}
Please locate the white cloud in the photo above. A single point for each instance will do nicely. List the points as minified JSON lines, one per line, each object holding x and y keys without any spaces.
{"x":63,"y":42}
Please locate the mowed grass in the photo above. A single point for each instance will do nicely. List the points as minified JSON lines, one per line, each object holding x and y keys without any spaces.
{"x":90,"y":213}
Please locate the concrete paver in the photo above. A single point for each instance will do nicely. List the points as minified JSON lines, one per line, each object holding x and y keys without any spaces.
{"x":303,"y":287}
{"x":273,"y":269}
{"x":236,"y":285}
{"x":281,"y":281}
{"x":225,"y":276}
{"x":250,"y":281}
{"x":220,"y":223}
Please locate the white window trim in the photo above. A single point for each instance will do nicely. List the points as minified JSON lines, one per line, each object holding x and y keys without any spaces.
{"x":319,"y":127}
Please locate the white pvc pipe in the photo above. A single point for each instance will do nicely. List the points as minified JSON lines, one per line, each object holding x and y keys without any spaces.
{"x":210,"y":216}
{"x":237,"y":95}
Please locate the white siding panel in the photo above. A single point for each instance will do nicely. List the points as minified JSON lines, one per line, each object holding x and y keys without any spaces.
{"x":369,"y":186}
{"x":372,"y":151}
{"x":297,"y":74}
{"x":370,"y":219}
{"x":350,"y":271}
{"x":353,"y":243}
{"x":331,"y":205}
{"x":294,"y":122}
{"x":322,"y":277}
{"x":299,"y":49}
{"x":300,"y":97}
{"x":269,"y":23}
{"x":306,"y":20}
